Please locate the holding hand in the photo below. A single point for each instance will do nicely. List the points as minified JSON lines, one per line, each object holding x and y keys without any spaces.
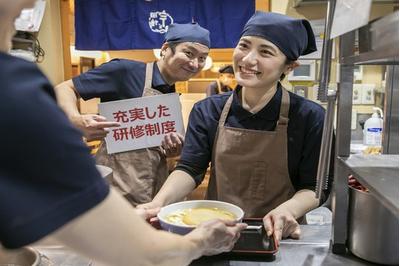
{"x":148,"y":210}
{"x":282,"y":224}
{"x":216,"y":236}
{"x":94,"y":127}
{"x":172,"y":144}
{"x":147,"y":214}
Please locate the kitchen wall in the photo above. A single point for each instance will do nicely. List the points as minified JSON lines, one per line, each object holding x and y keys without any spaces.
{"x":51,"y":42}
{"x":50,"y":36}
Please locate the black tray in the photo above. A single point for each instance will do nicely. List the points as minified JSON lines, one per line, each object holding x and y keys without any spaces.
{"x":253,"y":245}
{"x":255,"y":242}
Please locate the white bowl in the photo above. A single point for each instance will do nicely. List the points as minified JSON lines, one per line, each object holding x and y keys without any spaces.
{"x":184,"y":229}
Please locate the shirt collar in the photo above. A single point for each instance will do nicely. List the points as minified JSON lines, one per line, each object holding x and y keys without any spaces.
{"x":158,"y":80}
{"x":269,"y":112}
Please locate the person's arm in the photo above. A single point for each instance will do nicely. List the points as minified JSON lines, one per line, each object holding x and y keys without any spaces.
{"x":67,"y":98}
{"x":93,"y":126}
{"x":177,"y":186}
{"x":194,"y":159}
{"x":114,"y":234}
{"x":282,"y":221}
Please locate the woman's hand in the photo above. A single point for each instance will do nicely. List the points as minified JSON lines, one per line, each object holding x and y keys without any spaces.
{"x":282,"y":224}
{"x":172,"y":144}
{"x":216,"y":236}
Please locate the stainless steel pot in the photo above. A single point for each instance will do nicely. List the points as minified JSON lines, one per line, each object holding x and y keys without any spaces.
{"x":20,"y":257}
{"x":373,"y":229}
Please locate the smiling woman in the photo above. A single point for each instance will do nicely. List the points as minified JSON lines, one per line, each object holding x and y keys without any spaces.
{"x":262,"y":141}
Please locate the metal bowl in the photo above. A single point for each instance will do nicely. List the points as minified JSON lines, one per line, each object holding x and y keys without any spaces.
{"x":373,"y":229}
{"x":20,"y":257}
{"x":184,"y":229}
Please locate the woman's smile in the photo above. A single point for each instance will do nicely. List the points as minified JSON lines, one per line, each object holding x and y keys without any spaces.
{"x":248,"y":71}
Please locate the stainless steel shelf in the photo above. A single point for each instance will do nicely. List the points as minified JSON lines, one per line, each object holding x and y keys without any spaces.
{"x":384,"y":57}
{"x":378,"y":173}
{"x":378,"y":43}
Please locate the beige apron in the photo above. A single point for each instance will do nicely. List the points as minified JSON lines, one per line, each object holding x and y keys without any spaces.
{"x":137,"y":174}
{"x":249,"y":167}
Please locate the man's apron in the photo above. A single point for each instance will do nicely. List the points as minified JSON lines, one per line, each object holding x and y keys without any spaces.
{"x":137,"y":174}
{"x":250,"y":167}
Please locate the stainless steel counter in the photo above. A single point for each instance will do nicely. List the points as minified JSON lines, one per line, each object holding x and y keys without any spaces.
{"x":311,"y":250}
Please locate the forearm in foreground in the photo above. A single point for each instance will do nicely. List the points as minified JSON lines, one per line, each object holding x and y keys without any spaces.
{"x":112,"y":233}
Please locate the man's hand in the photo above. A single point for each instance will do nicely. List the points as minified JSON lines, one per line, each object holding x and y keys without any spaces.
{"x":216,"y":236}
{"x":282,"y":224}
{"x":94,"y":127}
{"x":172,"y":144}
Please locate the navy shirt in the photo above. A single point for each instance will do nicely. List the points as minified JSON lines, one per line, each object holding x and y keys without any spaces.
{"x":213,"y":88}
{"x":304,"y":130}
{"x":47,"y":176}
{"x":117,"y":80}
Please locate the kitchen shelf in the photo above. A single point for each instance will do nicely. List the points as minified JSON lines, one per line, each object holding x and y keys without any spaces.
{"x":378,"y":173}
{"x":372,"y":58}
{"x":378,"y":43}
{"x":373,"y":44}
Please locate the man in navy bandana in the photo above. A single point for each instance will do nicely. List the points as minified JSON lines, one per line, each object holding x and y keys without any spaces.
{"x":138,"y":174}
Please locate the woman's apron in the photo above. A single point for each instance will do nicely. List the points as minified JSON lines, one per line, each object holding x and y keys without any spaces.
{"x":250,"y":167}
{"x":137,"y":174}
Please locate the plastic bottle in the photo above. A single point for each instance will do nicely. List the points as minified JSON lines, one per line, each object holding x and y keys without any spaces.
{"x":373,"y":129}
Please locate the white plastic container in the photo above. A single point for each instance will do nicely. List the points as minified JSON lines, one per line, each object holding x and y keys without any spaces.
{"x":373,"y":129}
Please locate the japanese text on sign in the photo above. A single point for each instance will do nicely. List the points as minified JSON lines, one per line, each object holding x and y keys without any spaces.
{"x":144,"y":121}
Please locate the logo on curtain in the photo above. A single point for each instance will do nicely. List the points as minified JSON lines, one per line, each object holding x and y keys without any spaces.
{"x":159,"y":21}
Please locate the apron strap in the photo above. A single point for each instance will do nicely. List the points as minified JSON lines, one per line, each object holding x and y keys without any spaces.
{"x":284,"y":111}
{"x":149,"y":76}
{"x":225,"y":111}
{"x":283,"y":115}
{"x":219,"y":87}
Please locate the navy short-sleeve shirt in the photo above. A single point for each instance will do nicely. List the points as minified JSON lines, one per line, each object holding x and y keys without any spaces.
{"x":306,"y":120}
{"x":47,"y":175}
{"x":117,"y":80}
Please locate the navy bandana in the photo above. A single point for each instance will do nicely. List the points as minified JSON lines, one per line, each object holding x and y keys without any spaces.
{"x":191,"y":32}
{"x":294,"y":37}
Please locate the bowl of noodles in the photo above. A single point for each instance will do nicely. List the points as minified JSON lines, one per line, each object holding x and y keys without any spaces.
{"x":183,"y":217}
